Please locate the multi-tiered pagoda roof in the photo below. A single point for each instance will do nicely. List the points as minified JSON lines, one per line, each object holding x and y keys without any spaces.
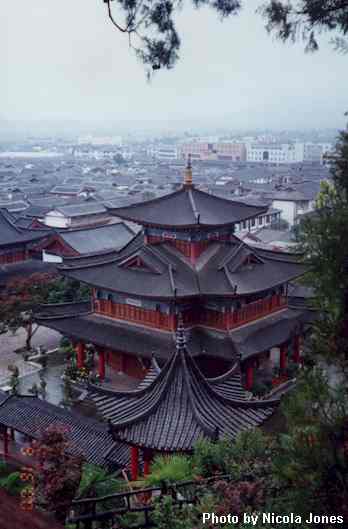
{"x":188,"y":208}
{"x":187,"y":259}
{"x":180,"y":406}
{"x":162,"y":271}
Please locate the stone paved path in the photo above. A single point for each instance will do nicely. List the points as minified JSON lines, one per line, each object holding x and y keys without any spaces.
{"x":9,"y":342}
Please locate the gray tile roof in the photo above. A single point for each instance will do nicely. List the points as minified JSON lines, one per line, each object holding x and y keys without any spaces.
{"x":168,"y":274}
{"x":77,"y":321}
{"x":98,"y":239}
{"x":30,"y":415}
{"x":86,"y":208}
{"x":10,"y":234}
{"x":269,"y":332}
{"x":180,"y":407}
{"x":188,"y":207}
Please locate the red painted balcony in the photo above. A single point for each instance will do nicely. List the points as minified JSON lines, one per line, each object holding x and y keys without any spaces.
{"x":254,"y":311}
{"x":197,"y":316}
{"x":147,"y":317}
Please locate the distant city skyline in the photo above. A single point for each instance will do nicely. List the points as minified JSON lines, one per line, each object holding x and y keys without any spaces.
{"x":64,"y":65}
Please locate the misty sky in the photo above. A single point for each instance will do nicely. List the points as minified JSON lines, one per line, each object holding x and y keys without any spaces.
{"x":62,"y":59}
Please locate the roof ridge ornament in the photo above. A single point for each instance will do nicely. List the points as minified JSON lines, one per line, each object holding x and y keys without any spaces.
{"x":188,"y":172}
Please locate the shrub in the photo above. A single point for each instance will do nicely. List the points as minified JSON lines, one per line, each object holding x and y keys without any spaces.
{"x":170,"y":469}
{"x":12,"y":483}
{"x":228,"y":457}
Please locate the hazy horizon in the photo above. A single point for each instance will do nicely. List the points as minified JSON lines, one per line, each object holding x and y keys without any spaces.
{"x":63,"y":63}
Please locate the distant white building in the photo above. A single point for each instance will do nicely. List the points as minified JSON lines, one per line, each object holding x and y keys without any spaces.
{"x":100,"y":140}
{"x":314,"y":152}
{"x":164,"y":153}
{"x":275,"y":152}
{"x":292,"y":204}
{"x":75,"y":215}
{"x":271,"y":217}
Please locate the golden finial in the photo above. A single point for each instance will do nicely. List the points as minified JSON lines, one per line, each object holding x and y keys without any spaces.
{"x":188,"y":172}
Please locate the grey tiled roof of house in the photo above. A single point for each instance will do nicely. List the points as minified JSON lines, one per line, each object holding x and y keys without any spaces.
{"x":77,"y":210}
{"x":99,"y":238}
{"x":67,"y":189}
{"x":268,"y":235}
{"x":29,"y":415}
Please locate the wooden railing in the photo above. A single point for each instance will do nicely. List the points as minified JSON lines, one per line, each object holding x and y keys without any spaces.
{"x":148,"y":317}
{"x":196,"y":316}
{"x":254,"y":311}
{"x":86,"y":511}
{"x":231,"y":320}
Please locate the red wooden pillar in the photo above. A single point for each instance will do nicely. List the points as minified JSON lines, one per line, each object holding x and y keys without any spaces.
{"x":249,"y":379}
{"x":81,"y":354}
{"x":283,"y":356}
{"x":134,"y":462}
{"x":147,"y":462}
{"x":194,"y":251}
{"x":172,"y":322}
{"x":296,"y":346}
{"x":101,"y":363}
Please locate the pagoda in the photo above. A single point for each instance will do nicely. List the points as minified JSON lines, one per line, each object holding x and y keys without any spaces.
{"x":174,"y":408}
{"x":186,"y":260}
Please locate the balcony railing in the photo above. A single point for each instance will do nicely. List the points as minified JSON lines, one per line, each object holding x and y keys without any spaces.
{"x":196,"y":316}
{"x":257,"y":309}
{"x":231,"y":320}
{"x":147,"y":317}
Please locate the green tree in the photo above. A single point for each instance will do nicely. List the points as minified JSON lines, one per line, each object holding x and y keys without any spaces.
{"x":21,"y":299}
{"x":58,"y":473}
{"x":153,"y":35}
{"x":24,"y":296}
{"x":312,"y":463}
{"x":324,"y":241}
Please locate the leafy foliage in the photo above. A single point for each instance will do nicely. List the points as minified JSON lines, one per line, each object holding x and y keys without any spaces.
{"x":59,"y":473}
{"x":153,"y":35}
{"x":324,"y":240}
{"x":170,"y":470}
{"x":23,"y":297}
{"x":250,"y":449}
{"x":170,"y":516}
{"x":97,"y":482}
{"x":12,"y":483}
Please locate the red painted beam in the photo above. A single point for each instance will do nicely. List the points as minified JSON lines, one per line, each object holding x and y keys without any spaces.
{"x":283,"y":356}
{"x":134,"y":455}
{"x":81,"y":354}
{"x":101,"y":363}
{"x":249,"y":381}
